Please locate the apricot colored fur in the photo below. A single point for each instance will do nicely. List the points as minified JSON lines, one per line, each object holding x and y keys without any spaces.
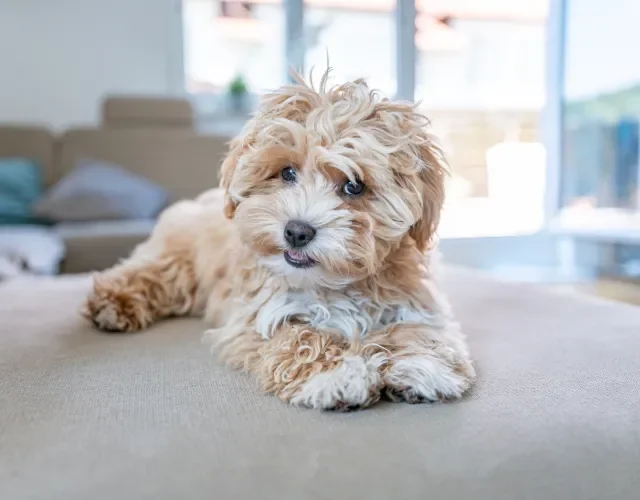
{"x":368,"y":317}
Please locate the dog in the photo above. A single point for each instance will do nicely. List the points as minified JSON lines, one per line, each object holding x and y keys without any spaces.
{"x":315,"y":261}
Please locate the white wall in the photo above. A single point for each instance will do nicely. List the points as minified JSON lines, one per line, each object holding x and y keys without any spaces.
{"x":58,"y":58}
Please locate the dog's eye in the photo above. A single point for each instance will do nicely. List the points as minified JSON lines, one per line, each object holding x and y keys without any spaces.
{"x":289,"y":174}
{"x":353,"y":188}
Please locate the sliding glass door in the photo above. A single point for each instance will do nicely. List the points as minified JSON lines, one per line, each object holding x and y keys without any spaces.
{"x":475,"y":67}
{"x":598,"y":189}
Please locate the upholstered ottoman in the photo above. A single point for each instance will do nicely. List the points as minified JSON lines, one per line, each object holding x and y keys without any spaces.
{"x":555,"y":414}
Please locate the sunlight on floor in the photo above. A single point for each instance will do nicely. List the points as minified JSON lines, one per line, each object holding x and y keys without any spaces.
{"x":619,"y":291}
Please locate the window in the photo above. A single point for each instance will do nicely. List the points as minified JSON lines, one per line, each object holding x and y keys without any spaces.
{"x":357,"y":37}
{"x":599,"y":174}
{"x":225,"y":39}
{"x":477,"y":67}
{"x":480,"y":77}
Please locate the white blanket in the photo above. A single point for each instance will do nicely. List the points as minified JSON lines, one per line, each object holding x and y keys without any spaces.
{"x":29,"y":249}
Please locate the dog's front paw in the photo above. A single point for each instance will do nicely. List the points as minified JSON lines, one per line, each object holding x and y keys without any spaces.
{"x":352,"y":385}
{"x":427,"y":379}
{"x":112,"y":307}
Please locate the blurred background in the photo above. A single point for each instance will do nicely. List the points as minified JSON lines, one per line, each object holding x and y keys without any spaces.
{"x":536,"y":103}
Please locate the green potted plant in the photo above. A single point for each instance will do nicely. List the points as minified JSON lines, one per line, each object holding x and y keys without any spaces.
{"x":238,"y":93}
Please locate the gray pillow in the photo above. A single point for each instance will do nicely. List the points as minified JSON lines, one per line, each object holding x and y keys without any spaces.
{"x":97,"y":190}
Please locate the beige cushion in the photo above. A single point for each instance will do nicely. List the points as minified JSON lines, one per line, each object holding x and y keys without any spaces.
{"x":144,"y":112}
{"x":182,"y":161}
{"x":555,"y":414}
{"x":97,"y":245}
{"x":34,"y":143}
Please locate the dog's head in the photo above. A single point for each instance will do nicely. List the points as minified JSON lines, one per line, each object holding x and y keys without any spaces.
{"x":324,"y":184}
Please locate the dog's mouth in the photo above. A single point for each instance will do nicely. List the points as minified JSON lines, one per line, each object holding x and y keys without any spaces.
{"x":298,"y":259}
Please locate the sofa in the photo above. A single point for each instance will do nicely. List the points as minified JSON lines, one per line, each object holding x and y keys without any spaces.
{"x":152,"y":138}
{"x":555,"y":413}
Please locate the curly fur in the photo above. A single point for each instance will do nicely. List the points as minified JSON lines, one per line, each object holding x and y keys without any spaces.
{"x":368,"y":318}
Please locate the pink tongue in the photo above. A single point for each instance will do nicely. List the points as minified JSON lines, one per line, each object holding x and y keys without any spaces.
{"x":297,"y":255}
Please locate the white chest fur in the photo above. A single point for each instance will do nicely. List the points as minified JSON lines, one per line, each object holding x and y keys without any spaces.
{"x":350,"y":314}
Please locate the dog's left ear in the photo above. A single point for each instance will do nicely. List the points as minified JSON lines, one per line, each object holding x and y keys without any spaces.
{"x":431,"y":177}
{"x":227,"y":171}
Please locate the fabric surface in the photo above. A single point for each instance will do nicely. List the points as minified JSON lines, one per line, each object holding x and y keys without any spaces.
{"x":32,"y":249}
{"x":182,"y":161}
{"x":555,"y":414}
{"x":34,"y":143}
{"x":94,"y":246}
{"x":98,"y":190}
{"x":136,"y":111}
{"x":20,"y":187}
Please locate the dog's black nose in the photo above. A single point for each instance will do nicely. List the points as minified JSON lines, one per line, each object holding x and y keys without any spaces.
{"x":298,"y":234}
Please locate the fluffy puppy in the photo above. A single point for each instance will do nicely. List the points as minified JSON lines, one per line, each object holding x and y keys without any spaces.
{"x":313,"y":262}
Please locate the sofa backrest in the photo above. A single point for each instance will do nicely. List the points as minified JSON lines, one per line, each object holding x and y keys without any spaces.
{"x":34,"y":143}
{"x":147,"y":112}
{"x":182,"y":161}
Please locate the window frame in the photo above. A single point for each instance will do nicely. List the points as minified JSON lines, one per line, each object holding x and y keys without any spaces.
{"x":552,"y":116}
{"x":406,"y":51}
{"x":405,"y":14}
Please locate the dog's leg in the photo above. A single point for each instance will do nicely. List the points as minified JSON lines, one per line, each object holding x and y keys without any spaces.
{"x":424,"y":364}
{"x":314,"y":370}
{"x":309,"y":369}
{"x":159,"y":278}
{"x":134,"y":294}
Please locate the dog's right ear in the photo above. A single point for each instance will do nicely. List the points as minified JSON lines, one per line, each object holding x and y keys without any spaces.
{"x":227,"y":172}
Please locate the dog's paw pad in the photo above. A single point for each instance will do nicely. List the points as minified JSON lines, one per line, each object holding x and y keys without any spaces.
{"x":112,"y":318}
{"x":344,"y":407}
{"x":406,"y":395}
